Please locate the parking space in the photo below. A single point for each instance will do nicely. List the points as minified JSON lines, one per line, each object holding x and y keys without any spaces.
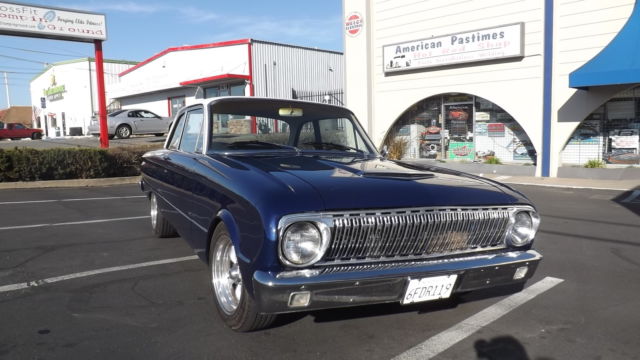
{"x":133,"y":308}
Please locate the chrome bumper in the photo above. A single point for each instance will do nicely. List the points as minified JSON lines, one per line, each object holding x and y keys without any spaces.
{"x":359,"y":287}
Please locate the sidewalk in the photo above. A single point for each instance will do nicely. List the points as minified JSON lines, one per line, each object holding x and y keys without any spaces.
{"x":578,"y":178}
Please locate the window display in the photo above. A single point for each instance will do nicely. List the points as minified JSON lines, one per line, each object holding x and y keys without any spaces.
{"x":461,"y":127}
{"x":610,"y":133}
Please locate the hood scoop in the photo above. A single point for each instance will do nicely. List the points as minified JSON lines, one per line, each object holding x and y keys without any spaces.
{"x":397,"y":175}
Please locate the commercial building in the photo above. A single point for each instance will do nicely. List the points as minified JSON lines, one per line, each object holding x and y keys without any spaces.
{"x":64,"y":95}
{"x":545,"y":83}
{"x":177,"y":76}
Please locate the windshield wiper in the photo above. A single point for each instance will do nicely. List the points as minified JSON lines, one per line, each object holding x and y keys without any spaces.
{"x":330,"y":145}
{"x":258,"y":144}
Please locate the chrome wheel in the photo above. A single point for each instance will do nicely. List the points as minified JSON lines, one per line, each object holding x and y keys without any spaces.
{"x":225,"y":276}
{"x":154,"y":211}
{"x":123,"y":132}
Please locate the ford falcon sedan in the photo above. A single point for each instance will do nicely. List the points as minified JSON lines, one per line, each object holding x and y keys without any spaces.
{"x":293,"y":209}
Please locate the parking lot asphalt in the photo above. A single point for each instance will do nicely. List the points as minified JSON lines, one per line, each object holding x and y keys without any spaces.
{"x":134,"y":307}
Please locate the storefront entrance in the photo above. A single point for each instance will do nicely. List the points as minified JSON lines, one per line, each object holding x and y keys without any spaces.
{"x":461,"y":127}
{"x":610,"y":134}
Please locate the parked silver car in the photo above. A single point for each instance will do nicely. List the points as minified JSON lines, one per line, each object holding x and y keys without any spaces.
{"x":124,"y":123}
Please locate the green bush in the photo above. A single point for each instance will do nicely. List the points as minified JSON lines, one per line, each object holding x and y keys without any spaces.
{"x":595,"y":164}
{"x":396,"y":148}
{"x":492,"y":160}
{"x":24,"y":164}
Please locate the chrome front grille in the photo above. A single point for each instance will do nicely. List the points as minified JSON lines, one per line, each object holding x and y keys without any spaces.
{"x":416,"y":233}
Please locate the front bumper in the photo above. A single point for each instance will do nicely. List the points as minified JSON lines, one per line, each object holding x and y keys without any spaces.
{"x":360,"y":285}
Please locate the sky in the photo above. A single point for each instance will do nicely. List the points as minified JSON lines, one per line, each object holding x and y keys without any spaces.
{"x":139,"y":29}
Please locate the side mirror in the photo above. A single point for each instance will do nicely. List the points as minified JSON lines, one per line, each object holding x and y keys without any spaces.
{"x":385,"y":152}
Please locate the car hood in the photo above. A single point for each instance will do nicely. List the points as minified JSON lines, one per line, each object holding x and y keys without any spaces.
{"x":356,"y":183}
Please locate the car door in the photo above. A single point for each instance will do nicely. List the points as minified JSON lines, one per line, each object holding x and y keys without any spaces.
{"x":151,"y":123}
{"x":183,"y":162}
{"x":135,"y":120}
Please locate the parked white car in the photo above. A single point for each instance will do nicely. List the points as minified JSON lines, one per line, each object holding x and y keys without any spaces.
{"x":124,"y":123}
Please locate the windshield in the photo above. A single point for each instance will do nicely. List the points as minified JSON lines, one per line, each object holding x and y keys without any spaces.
{"x":270,"y":125}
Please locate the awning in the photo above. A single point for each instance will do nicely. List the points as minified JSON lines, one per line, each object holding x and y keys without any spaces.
{"x":618,"y":63}
{"x":224,"y":78}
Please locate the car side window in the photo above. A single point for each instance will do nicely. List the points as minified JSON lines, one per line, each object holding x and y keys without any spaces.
{"x":192,"y":134}
{"x":148,"y":114}
{"x":177,"y":133}
{"x":132,"y":114}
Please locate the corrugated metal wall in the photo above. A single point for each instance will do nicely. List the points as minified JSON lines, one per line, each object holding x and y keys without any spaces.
{"x":280,"y":69}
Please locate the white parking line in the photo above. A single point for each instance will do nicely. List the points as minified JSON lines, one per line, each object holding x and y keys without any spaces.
{"x":65,"y":200}
{"x":441,"y":342}
{"x":72,"y":223}
{"x":35,"y":283}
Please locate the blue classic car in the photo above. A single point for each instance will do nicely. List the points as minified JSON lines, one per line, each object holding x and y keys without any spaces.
{"x":293,"y":209}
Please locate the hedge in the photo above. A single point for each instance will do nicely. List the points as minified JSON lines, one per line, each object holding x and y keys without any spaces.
{"x":25,"y":164}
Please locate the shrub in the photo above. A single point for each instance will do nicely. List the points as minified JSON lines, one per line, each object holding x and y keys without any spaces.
{"x":396,"y":148}
{"x":492,"y":160}
{"x":25,"y":164}
{"x":595,"y":164}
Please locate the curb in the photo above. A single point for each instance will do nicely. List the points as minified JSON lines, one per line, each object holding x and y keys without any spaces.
{"x":69,"y":183}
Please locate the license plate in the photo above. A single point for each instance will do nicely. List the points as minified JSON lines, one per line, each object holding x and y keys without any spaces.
{"x":430,"y":288}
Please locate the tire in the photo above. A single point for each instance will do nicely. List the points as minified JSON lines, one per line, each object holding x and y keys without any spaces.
{"x":111,"y":137}
{"x":161,"y":227}
{"x":234,"y":304}
{"x":123,"y":131}
{"x":36,"y":136}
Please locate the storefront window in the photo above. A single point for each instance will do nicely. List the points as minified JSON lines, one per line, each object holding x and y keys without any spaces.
{"x":176,"y":103}
{"x":609,"y":134}
{"x":461,"y":127}
{"x":224,"y":90}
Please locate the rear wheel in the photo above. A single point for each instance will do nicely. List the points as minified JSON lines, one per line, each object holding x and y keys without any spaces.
{"x":235,"y":306}
{"x":161,"y":227}
{"x":123,"y":131}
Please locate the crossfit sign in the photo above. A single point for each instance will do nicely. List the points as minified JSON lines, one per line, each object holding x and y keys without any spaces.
{"x":52,"y":23}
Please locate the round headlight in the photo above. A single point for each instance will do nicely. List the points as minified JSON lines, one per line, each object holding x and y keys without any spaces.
{"x":524,"y":228}
{"x":302,"y":244}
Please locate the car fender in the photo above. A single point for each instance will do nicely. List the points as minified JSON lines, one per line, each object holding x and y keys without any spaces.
{"x":225,"y":217}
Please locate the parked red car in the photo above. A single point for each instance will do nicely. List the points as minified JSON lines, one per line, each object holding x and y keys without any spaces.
{"x":18,"y":131}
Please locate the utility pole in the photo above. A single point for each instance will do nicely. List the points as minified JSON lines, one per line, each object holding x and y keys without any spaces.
{"x":6,"y":86}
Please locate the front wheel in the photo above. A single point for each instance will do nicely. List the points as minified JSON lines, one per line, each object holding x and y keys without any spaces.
{"x":36,"y":136}
{"x":235,"y":306}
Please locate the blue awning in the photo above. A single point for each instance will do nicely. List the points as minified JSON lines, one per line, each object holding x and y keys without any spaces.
{"x":618,"y":63}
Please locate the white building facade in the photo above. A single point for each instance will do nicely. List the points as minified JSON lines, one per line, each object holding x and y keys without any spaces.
{"x":545,"y":83}
{"x":177,"y":76}
{"x":64,"y":96}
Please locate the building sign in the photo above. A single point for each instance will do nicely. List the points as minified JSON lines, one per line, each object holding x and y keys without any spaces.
{"x":461,"y":150}
{"x":353,"y":24}
{"x":53,"y":23}
{"x":55,"y":93}
{"x":495,"y":129}
{"x":479,"y":45}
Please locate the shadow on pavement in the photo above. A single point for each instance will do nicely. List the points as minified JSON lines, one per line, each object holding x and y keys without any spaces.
{"x":502,"y":348}
{"x":630,"y":200}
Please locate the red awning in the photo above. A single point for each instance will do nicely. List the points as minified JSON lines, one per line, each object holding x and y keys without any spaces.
{"x":215,"y":79}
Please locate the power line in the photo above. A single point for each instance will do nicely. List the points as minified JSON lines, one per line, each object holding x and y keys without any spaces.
{"x":23,"y":59}
{"x":20,"y":72}
{"x":36,"y":51}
